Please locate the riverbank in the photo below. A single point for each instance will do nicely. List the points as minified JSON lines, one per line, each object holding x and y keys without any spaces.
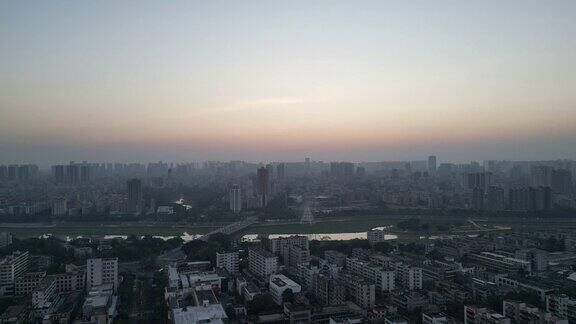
{"x":343,"y":225}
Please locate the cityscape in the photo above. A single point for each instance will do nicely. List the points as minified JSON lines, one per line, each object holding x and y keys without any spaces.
{"x":301,"y":242}
{"x":287,"y":161}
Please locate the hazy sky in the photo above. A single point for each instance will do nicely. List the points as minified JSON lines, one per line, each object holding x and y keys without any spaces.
{"x":280,"y":80}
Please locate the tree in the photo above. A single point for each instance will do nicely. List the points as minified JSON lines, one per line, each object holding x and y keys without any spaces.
{"x":383,"y":247}
{"x":262,"y":304}
{"x":288,"y":296}
{"x":435,"y":255}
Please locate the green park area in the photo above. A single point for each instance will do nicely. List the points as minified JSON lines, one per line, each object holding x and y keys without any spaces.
{"x":428,"y":225}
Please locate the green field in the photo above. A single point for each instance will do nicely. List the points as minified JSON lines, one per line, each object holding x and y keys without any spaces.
{"x":361,"y":224}
{"x":161,"y":230}
{"x":343,"y":226}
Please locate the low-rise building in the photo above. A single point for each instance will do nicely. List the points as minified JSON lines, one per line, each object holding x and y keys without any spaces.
{"x":521,"y":313}
{"x":279,"y":284}
{"x":481,"y":315}
{"x":100,"y":304}
{"x":434,"y":318}
{"x":561,"y":306}
{"x":501,"y":262}
{"x":43,"y":296}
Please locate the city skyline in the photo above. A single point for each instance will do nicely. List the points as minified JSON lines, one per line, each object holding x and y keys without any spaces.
{"x":363,"y":81}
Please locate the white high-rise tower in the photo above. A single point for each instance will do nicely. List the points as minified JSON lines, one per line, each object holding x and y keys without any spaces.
{"x":235,"y":199}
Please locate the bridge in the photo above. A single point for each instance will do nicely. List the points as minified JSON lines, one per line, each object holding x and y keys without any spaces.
{"x":231,"y":228}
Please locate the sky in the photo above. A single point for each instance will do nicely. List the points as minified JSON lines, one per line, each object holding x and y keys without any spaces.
{"x":283,"y":80}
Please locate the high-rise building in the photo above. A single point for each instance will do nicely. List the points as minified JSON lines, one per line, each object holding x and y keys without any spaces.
{"x":12,"y":172}
{"x":495,"y":198}
{"x":12,"y":267}
{"x":59,"y":206}
{"x":134,"y":196}
{"x":542,"y":175}
{"x":478,"y":180}
{"x":530,"y":198}
{"x":281,"y":170}
{"x":72,"y":173}
{"x":262,"y":263}
{"x":235,"y":199}
{"x":270,"y":168}
{"x":342,"y":169}
{"x":101,"y":271}
{"x":5,"y":239}
{"x":85,"y":173}
{"x":432,"y":164}
{"x":3,"y":173}
{"x":561,"y":181}
{"x":228,"y":261}
{"x":59,"y":174}
{"x":263,"y":183}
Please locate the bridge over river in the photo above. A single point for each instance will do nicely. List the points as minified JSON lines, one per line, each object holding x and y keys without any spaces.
{"x":231,"y":228}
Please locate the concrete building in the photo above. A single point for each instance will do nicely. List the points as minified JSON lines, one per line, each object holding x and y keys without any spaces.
{"x":12,"y":267}
{"x":134,"y":204}
{"x":263,"y":186}
{"x":26,"y":283}
{"x":235,"y":199}
{"x":538,"y":258}
{"x":384,"y":279}
{"x":408,"y":277}
{"x":359,"y":290}
{"x":329,"y":291}
{"x":281,"y":245}
{"x":501,"y":262}
{"x":100,"y":304}
{"x":521,"y":313}
{"x":432,"y":164}
{"x":298,"y":255}
{"x":74,"y":279}
{"x":480,"y":315}
{"x":409,"y":301}
{"x":397,"y":319}
{"x":205,"y":308}
{"x":434,"y":318}
{"x":561,"y":306}
{"x":102,"y":271}
{"x":229,"y":261}
{"x":262,"y":263}
{"x":279,"y":284}
{"x":60,"y":206}
{"x":376,"y":235}
{"x":44,"y":294}
{"x":5,"y":239}
{"x":335,"y":257}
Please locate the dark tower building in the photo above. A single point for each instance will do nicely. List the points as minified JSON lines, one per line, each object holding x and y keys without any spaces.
{"x":134,"y":196}
{"x":263,"y":185}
